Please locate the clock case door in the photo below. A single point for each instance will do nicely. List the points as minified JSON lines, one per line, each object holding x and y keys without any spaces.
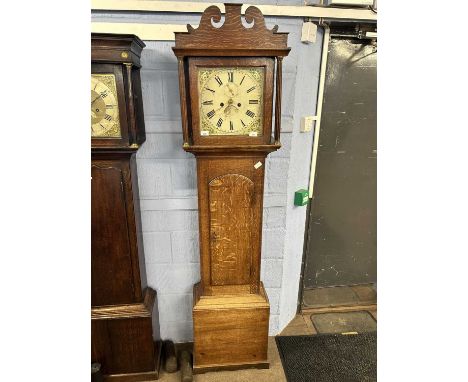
{"x":118,"y":274}
{"x":194,"y":63}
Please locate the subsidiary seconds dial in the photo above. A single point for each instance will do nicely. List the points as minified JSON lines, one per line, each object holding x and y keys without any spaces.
{"x":104,"y":108}
{"x":231,"y":101}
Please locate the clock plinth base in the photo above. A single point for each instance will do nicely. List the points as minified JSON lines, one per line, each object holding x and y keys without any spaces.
{"x":230,"y":331}
{"x":122,"y":341}
{"x":143,"y":376}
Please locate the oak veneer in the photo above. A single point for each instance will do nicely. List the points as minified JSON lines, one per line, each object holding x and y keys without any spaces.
{"x":231,"y":331}
{"x":230,"y":306}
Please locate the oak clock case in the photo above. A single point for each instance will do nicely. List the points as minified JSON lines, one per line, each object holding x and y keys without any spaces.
{"x":227,"y":78}
{"x":123,"y":315}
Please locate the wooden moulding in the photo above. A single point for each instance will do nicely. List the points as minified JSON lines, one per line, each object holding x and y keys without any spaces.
{"x":232,"y":37}
{"x":110,"y":312}
{"x":230,"y":331}
{"x":116,"y":49}
{"x":222,"y":149}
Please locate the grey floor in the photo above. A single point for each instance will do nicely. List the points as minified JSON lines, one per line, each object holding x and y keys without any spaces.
{"x":340,"y":296}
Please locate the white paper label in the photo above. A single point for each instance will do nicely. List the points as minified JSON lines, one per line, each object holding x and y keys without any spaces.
{"x":204,"y":133}
{"x":253,"y":134}
{"x":258,"y":165}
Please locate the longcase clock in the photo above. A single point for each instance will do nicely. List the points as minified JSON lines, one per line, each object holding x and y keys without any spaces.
{"x":122,"y":305}
{"x":227,"y":79}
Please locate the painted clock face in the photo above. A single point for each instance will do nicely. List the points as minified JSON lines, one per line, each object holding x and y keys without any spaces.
{"x":231,"y":100}
{"x":105,"y":120}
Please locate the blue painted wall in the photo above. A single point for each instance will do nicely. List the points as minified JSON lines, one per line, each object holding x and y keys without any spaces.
{"x":167,"y":178}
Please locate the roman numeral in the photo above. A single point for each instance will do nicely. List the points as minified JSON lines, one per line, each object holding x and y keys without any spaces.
{"x":207,"y":102}
{"x":253,"y":101}
{"x":110,"y":106}
{"x":108,"y":117}
{"x":231,"y":125}
{"x":252,"y":88}
{"x":218,"y":80}
{"x":243,"y":124}
{"x":211,"y":90}
{"x":210,"y":114}
{"x":220,"y":122}
{"x":251,"y":114}
{"x":242,"y":80}
{"x":231,"y":76}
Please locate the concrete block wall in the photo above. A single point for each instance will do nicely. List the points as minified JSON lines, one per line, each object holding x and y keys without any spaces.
{"x":167,"y":180}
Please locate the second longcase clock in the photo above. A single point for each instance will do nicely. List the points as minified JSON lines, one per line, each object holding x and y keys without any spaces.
{"x":227,"y":79}
{"x":123,"y":307}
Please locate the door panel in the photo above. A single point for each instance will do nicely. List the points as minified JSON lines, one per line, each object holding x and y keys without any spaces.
{"x":342,"y":229}
{"x":230,"y":237}
{"x":231,"y":219}
{"x":109,"y":237}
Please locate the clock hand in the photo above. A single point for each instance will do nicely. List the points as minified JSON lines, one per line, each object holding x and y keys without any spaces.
{"x":94,"y":100}
{"x":217,"y":110}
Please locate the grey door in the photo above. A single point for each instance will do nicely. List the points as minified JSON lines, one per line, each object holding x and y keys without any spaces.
{"x":342,"y":223}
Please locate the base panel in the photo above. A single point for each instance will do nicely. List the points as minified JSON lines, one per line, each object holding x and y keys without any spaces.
{"x":230,"y":332}
{"x":140,"y":377}
{"x":122,"y":341}
{"x":206,"y":369}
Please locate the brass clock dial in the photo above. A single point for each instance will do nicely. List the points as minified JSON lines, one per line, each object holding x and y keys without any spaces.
{"x":231,"y":100}
{"x":105,"y":120}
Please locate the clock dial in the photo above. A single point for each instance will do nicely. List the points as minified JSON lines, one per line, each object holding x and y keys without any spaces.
{"x":105,"y":120}
{"x":231,"y":100}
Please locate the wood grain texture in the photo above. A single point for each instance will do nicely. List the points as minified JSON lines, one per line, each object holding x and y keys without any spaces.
{"x":122,"y":331}
{"x":108,"y":48}
{"x":231,"y":223}
{"x":279,"y":87}
{"x":223,"y":149}
{"x":230,"y":333}
{"x":232,"y":32}
{"x":144,"y":309}
{"x":240,"y":172}
{"x":113,"y":280}
{"x":122,"y":341}
{"x":183,"y":105}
